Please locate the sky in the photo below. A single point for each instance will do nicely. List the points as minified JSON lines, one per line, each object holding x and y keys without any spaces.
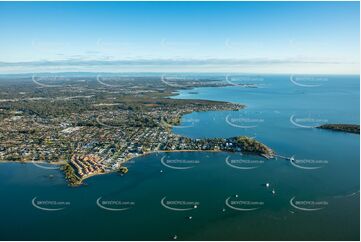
{"x":244,"y":37}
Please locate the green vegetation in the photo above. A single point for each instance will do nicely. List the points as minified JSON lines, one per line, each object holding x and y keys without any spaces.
{"x":97,"y":127}
{"x":253,"y":146}
{"x":349,"y":128}
{"x":70,"y":175}
{"x":123,"y":170}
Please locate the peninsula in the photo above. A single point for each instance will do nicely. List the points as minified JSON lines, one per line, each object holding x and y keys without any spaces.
{"x":349,"y":128}
{"x":117,"y":120}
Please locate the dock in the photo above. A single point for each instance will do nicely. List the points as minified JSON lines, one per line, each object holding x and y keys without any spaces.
{"x":284,"y":157}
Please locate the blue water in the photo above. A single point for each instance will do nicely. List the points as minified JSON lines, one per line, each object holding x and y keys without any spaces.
{"x":271,"y":106}
{"x":210,"y":180}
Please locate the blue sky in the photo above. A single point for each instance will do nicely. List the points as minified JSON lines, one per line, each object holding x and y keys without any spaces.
{"x":261,"y":37}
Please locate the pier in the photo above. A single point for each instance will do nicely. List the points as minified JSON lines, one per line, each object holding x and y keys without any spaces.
{"x":284,"y":157}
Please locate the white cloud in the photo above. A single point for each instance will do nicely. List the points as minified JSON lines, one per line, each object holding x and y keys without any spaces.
{"x":260,"y":65}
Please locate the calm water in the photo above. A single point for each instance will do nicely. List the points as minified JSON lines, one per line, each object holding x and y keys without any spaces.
{"x":315,"y":204}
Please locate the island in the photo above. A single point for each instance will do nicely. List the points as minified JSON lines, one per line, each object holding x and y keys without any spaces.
{"x":349,"y":128}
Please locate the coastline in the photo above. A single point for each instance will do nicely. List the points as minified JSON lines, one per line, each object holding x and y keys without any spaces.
{"x":124,"y":162}
{"x":345,"y":128}
{"x":170,"y":95}
{"x":58,"y":163}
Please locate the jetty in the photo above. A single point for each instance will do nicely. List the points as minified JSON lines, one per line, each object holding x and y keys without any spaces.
{"x":284,"y":157}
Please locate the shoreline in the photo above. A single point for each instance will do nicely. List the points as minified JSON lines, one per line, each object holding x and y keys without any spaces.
{"x":143,"y":155}
{"x":177,"y":93}
{"x":124,"y":162}
{"x":341,"y":127}
{"x":171,"y":95}
{"x":57,"y":163}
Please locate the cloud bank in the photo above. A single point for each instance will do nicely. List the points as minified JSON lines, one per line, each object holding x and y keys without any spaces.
{"x":185,"y":65}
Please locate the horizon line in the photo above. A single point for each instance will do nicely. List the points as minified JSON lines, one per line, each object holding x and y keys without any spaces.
{"x":301,"y":65}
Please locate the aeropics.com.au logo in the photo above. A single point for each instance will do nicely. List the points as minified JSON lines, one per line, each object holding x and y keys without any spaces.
{"x":307,"y":122}
{"x":307,"y":205}
{"x":179,"y":164}
{"x":114,"y":205}
{"x":114,"y":81}
{"x":234,"y":203}
{"x":49,"y":205}
{"x":44,"y":165}
{"x":308,"y":81}
{"x":243,"y":122}
{"x":244,"y":81}
{"x":54,"y":80}
{"x":308,"y":164}
{"x":185,"y":123}
{"x":243,"y":163}
{"x":109,"y":121}
{"x":179,"y":205}
{"x":47,"y":80}
{"x":178,"y":81}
